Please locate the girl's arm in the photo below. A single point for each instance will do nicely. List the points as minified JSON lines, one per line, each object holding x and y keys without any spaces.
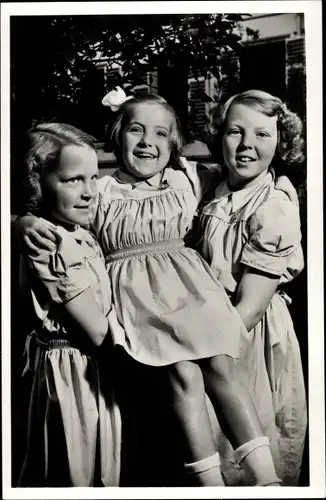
{"x":254,"y":293}
{"x":63,"y":273}
{"x":274,"y":236}
{"x":82,"y":313}
{"x":35,"y":232}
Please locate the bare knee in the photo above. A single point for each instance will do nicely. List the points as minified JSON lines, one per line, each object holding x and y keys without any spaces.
{"x":220,"y":369}
{"x":186,"y":379}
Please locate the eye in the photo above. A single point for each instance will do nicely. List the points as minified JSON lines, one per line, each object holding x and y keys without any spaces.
{"x":135,"y":129}
{"x":263,"y":134}
{"x":72,"y":180}
{"x":94,"y":177}
{"x":162,"y":133}
{"x":233,"y":131}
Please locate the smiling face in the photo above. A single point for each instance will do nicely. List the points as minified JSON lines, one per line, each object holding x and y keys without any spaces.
{"x":249,"y":143}
{"x":70,"y":190}
{"x":145,"y":143}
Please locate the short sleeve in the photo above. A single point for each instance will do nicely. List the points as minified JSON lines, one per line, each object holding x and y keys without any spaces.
{"x":62,"y":271}
{"x":274,"y":235}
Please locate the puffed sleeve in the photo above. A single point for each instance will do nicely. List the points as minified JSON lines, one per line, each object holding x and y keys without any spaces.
{"x":274,"y":236}
{"x":62,"y":271}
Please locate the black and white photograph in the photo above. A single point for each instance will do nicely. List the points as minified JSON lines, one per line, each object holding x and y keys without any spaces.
{"x":162,"y":270}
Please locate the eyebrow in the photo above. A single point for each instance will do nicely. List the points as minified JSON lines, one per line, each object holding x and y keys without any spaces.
{"x":239,"y":125}
{"x":141,"y":125}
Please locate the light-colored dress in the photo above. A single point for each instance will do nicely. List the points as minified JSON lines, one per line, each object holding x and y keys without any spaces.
{"x":259,"y":227}
{"x":168,"y":305}
{"x":74,"y":421}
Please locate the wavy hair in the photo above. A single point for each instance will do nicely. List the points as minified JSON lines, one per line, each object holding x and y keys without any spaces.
{"x":289,"y":152}
{"x":45,"y":143}
{"x":124,"y":116}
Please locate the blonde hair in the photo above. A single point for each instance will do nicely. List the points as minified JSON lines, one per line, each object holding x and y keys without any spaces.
{"x":125,"y":113}
{"x":289,"y":150}
{"x":46,"y":142}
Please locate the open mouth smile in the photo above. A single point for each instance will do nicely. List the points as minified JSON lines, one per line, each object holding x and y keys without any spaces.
{"x":142,"y":155}
{"x":244,"y":158}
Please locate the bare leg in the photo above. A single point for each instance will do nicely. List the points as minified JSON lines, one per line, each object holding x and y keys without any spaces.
{"x":231,"y":400}
{"x":189,"y":404}
{"x":238,"y":417}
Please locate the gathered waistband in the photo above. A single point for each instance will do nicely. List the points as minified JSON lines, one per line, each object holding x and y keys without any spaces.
{"x":157,"y":247}
{"x":51,"y":343}
{"x":33,"y":341}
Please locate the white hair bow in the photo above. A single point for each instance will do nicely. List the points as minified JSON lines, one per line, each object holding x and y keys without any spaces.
{"x":115,"y":98}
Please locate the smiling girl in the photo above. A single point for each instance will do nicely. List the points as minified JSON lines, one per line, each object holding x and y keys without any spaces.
{"x":74,"y":426}
{"x":250,"y":235}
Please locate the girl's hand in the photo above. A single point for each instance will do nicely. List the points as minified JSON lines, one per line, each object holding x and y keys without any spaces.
{"x":36,"y":233}
{"x":284,"y":184}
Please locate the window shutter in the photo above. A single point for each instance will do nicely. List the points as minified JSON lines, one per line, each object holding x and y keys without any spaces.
{"x":197,"y":105}
{"x":296,"y":76}
{"x":148,"y":83}
{"x":230,"y":83}
{"x":295,"y":51}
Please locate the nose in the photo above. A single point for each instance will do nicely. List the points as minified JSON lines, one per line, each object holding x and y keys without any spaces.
{"x":89,"y":190}
{"x":146,"y":139}
{"x":247,"y":140}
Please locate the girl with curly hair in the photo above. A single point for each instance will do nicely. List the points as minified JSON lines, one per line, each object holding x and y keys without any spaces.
{"x":250,"y":235}
{"x":74,"y":429}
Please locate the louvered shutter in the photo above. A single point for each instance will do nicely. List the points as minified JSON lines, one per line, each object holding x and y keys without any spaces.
{"x":230,"y":68}
{"x":296,"y":77}
{"x":197,"y":106}
{"x":148,"y":83}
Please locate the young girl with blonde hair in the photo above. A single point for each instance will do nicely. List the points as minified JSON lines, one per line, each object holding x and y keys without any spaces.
{"x":249,"y":233}
{"x":74,"y":432}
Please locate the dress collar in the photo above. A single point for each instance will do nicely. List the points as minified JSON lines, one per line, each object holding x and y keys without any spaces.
{"x":77,"y":232}
{"x":156,"y":181}
{"x":242,"y":196}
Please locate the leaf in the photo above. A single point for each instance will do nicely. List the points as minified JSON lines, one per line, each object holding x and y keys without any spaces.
{"x":67,"y":46}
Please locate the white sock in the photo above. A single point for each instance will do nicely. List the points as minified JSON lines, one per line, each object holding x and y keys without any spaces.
{"x":207,"y":471}
{"x":256,"y":460}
